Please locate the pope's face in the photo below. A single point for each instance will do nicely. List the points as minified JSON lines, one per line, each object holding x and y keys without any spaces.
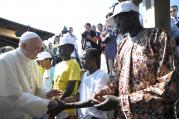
{"x":32,"y":48}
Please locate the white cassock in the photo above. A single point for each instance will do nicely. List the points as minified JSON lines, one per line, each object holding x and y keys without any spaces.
{"x":21,"y":95}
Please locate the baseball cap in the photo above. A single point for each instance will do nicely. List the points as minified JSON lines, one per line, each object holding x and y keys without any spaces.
{"x":125,"y":6}
{"x":43,"y":55}
{"x":66,"y":39}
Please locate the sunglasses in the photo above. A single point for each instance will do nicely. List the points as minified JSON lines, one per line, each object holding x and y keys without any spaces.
{"x":173,"y":11}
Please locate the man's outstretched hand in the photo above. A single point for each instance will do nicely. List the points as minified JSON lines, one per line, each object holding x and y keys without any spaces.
{"x":54,"y":110}
{"x":110,"y":102}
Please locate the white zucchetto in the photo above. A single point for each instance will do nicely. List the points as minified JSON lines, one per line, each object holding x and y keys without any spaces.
{"x":28,"y":36}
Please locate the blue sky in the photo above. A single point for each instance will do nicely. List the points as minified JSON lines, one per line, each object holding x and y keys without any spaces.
{"x":174,"y":2}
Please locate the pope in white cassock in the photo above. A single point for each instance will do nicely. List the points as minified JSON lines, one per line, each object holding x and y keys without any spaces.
{"x":21,"y":95}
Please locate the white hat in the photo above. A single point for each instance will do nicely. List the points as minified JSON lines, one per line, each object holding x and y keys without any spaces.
{"x":125,"y":6}
{"x":43,"y":55}
{"x":28,"y":36}
{"x":66,"y":39}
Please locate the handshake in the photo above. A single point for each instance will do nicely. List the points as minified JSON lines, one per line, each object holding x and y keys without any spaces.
{"x":101,"y":100}
{"x":56,"y":107}
{"x":109,"y":102}
{"x":53,"y":110}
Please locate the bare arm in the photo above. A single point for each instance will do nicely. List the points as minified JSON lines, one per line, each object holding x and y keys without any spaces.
{"x":69,"y":89}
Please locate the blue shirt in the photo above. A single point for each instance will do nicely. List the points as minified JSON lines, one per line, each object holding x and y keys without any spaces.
{"x":174,"y":29}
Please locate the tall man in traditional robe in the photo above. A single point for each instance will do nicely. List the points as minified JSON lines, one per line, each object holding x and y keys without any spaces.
{"x":21,"y":95}
{"x":145,"y":87}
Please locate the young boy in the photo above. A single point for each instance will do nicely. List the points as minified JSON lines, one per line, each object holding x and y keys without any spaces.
{"x":67,"y":75}
{"x":44,"y":59}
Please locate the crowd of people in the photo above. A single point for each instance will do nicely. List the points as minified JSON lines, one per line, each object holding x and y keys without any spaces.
{"x":52,"y":81}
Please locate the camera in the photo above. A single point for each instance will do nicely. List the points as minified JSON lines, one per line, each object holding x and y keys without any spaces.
{"x":84,"y":35}
{"x":177,"y":24}
{"x":56,"y":59}
{"x":65,"y":30}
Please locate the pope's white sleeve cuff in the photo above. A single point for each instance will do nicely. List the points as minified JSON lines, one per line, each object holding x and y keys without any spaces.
{"x":32,"y":105}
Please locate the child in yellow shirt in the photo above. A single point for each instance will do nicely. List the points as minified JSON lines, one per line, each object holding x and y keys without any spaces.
{"x":67,"y":75}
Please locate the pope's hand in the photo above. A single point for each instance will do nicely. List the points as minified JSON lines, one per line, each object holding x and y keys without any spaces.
{"x":53,"y":93}
{"x":110,"y":102}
